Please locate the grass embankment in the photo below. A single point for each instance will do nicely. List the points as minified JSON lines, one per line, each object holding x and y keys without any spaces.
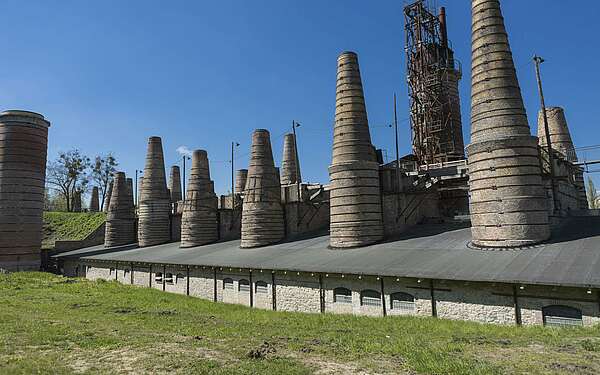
{"x":51,"y":324}
{"x":69,"y":226}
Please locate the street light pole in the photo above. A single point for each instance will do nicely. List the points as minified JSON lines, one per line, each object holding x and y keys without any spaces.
{"x":183,"y":184}
{"x":136,"y":185}
{"x":538,"y":60}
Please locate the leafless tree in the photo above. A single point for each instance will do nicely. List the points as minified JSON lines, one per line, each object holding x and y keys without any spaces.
{"x":68,"y":174}
{"x":103,"y":170}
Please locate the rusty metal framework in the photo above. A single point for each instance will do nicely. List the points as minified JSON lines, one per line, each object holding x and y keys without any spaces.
{"x":432,"y":77}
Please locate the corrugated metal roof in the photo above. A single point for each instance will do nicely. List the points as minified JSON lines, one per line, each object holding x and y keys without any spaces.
{"x":570,"y":258}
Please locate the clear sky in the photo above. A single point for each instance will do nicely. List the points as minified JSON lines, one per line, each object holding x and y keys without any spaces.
{"x":200,"y":74}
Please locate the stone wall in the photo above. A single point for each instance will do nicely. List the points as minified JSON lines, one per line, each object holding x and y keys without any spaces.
{"x":314,"y":293}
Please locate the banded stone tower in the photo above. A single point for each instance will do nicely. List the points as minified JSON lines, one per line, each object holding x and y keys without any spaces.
{"x":290,"y":166}
{"x":94,"y":201}
{"x":23,"y":148}
{"x":262,"y":212}
{"x":355,"y":217}
{"x":107,"y":197}
{"x":507,"y":200}
{"x":175,"y":184}
{"x":240,"y":180}
{"x":120,"y":220}
{"x":76,"y":201}
{"x":560,"y":136}
{"x":154,"y":201}
{"x":199,"y":223}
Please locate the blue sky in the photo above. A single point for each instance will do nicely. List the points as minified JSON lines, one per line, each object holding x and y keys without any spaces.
{"x":109,"y":74}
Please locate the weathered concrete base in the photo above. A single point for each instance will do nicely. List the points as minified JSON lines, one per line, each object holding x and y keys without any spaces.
{"x":319,"y":293}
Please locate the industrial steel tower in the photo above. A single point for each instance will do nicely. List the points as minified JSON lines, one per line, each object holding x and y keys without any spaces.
{"x":432,"y":77}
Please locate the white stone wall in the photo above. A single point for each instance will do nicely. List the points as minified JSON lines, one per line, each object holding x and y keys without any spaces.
{"x":297,"y":292}
{"x":124,"y":273}
{"x":263,"y":300}
{"x":421,"y":294}
{"x":100,"y":271}
{"x":179,"y":283}
{"x":156,"y":270}
{"x":482,"y":302}
{"x":531,"y":304}
{"x":464,"y":302}
{"x":141,"y":276}
{"x":202,"y":283}
{"x":234,"y":295}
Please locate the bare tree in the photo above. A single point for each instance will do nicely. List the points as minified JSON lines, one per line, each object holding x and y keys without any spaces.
{"x":68,"y":175}
{"x":103,"y":170}
{"x":592,"y":194}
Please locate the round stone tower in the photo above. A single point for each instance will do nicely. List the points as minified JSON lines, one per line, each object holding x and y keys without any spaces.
{"x":240,"y":180}
{"x":23,"y":148}
{"x":199,"y":223}
{"x":262,"y":212}
{"x":507,"y":199}
{"x":560,"y":136}
{"x":290,"y":167}
{"x":355,"y":216}
{"x":120,"y":220}
{"x":175,"y":184}
{"x":94,"y":201}
{"x":155,"y":202}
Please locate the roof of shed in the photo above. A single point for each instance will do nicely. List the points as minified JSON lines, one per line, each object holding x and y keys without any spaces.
{"x":570,"y":258}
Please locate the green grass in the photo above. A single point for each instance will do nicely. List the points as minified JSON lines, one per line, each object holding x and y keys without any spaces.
{"x":66,"y":325}
{"x":69,"y":226}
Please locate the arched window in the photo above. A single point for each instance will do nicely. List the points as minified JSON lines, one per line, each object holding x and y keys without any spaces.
{"x":402,"y":302}
{"x":158,"y":277}
{"x":342,"y":295}
{"x":179,"y":277}
{"x":228,"y":283}
{"x":261,"y":287}
{"x":370,"y":297}
{"x":244,"y":286}
{"x":561,"y":316}
{"x":169,"y":278}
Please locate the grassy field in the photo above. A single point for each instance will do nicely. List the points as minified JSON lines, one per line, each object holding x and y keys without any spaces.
{"x":69,"y":226}
{"x":52,"y":324}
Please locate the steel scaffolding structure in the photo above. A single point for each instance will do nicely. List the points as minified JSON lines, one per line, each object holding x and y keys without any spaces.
{"x":432,"y":77}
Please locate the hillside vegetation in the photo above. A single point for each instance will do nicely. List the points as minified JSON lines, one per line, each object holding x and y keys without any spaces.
{"x":68,"y":325}
{"x":69,"y":226}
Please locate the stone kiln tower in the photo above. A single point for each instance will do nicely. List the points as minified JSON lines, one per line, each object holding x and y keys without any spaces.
{"x":240,"y":180}
{"x":154,"y":201}
{"x":290,"y":166}
{"x":356,"y":217}
{"x":175,"y":184}
{"x":94,"y":201}
{"x":107,"y":197}
{"x":560,"y":136}
{"x":199,"y":223}
{"x":262,"y":212}
{"x":76,"y":201}
{"x":507,"y":200}
{"x":120,"y":220}
{"x":23,"y":148}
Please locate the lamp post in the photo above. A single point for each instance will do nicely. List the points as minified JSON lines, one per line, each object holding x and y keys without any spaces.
{"x":537,"y":61}
{"x":184,"y":158}
{"x":140,"y":172}
{"x":233,"y":146}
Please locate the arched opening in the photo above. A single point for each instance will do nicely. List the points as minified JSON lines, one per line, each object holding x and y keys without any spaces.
{"x":261,"y":287}
{"x":370,"y":297}
{"x":228,"y":284}
{"x":342,"y":295}
{"x":244,"y":286}
{"x":158,"y":277}
{"x":402,"y":302}
{"x":561,"y":316}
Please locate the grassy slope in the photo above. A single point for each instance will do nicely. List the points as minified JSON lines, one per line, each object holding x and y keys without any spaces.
{"x":69,"y":226}
{"x":73,"y":325}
